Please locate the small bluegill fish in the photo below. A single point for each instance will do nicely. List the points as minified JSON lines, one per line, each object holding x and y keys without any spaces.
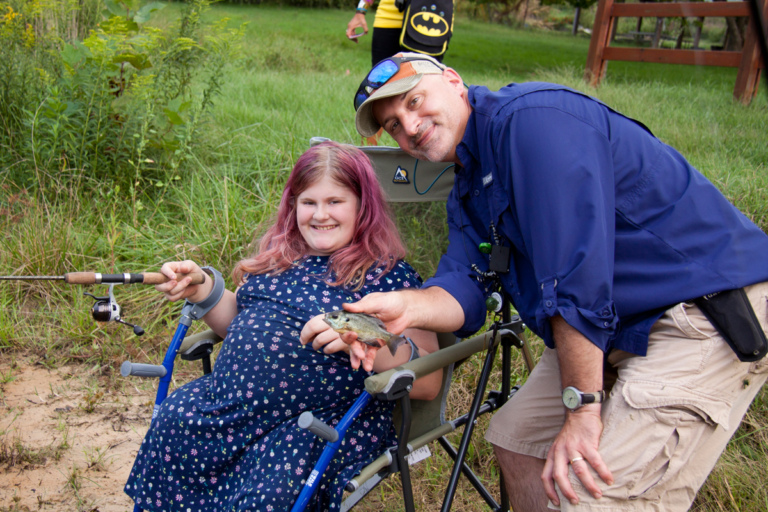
{"x":369,"y":329}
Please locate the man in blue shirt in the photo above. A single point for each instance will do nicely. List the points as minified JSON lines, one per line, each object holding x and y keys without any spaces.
{"x":603,"y":236}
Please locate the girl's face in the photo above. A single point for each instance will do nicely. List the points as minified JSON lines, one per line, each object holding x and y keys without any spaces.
{"x":326,"y":213}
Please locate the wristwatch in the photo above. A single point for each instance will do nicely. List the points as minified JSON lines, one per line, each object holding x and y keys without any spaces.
{"x":573,"y":398}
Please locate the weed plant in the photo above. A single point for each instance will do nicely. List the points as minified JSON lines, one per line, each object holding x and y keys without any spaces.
{"x":294,"y":78}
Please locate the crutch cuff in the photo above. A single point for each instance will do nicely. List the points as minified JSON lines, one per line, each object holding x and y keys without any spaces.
{"x":414,"y":349}
{"x":200,"y":309}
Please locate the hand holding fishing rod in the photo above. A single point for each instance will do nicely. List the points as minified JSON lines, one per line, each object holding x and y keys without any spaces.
{"x":106,"y":309}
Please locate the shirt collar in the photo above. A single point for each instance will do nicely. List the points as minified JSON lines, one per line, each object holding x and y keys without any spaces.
{"x":467,"y":151}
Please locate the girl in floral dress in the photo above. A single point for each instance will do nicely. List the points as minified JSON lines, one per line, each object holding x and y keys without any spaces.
{"x":230,"y":440}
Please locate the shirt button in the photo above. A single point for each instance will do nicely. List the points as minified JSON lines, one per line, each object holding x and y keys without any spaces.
{"x":549,"y":303}
{"x":477,"y":193}
{"x":605,"y":324}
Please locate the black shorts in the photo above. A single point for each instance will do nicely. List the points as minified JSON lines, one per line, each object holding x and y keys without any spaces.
{"x":385,"y":43}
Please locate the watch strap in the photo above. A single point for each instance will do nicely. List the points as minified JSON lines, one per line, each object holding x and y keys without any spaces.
{"x":593,"y":398}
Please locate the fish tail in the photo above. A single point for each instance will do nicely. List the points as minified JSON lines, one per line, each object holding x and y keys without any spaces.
{"x":394,"y":342}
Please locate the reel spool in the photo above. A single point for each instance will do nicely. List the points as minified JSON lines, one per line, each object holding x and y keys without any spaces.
{"x":106,"y":309}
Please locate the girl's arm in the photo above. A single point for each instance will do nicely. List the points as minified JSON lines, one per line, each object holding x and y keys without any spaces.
{"x":427,"y":387}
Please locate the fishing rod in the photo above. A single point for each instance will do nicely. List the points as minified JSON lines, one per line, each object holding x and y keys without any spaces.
{"x":106,"y":309}
{"x":97,"y":278}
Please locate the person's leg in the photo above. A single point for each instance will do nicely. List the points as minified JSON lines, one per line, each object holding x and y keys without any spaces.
{"x":522,"y":479}
{"x":522,"y":431}
{"x":666,"y":420}
{"x":385,"y":42}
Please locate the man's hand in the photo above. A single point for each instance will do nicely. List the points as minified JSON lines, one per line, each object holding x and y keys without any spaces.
{"x":389,"y":307}
{"x":432,"y":309}
{"x":581,"y":365}
{"x":578,"y":442}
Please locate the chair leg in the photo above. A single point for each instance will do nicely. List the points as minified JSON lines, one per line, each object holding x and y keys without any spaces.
{"x":470,"y":476}
{"x":469,"y":428}
{"x":402,"y":448}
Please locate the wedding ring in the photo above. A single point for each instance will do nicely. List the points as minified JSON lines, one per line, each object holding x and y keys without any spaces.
{"x":576,"y":459}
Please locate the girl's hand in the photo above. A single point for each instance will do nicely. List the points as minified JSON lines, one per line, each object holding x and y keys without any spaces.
{"x":177,"y":289}
{"x":322,"y":337}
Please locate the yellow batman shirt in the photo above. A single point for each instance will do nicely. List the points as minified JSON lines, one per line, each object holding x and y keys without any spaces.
{"x":387,"y":15}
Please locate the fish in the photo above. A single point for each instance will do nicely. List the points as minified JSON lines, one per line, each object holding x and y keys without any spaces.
{"x":369,"y":329}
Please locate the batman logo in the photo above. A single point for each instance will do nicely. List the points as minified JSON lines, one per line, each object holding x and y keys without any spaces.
{"x":429,"y":24}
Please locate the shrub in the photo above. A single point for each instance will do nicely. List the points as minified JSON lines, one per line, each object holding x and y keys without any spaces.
{"x":125,"y":104}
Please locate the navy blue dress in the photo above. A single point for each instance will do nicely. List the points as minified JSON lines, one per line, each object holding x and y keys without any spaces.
{"x":230,"y":440}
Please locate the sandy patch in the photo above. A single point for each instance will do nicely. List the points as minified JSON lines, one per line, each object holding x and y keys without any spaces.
{"x":66,"y":441}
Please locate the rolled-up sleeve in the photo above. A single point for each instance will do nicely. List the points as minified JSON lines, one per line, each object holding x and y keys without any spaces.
{"x":562,"y":183}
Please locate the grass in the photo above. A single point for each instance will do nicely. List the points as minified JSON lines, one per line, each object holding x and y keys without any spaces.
{"x":294,"y":80}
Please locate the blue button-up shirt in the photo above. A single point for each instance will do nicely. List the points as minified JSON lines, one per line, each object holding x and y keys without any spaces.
{"x":607,"y":225}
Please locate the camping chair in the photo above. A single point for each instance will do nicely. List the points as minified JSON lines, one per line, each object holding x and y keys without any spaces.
{"x":420,"y":422}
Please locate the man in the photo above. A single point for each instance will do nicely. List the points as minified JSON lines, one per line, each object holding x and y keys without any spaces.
{"x":605,"y":239}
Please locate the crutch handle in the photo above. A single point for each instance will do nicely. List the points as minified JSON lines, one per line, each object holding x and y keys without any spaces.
{"x":317,"y":427}
{"x":142,"y":370}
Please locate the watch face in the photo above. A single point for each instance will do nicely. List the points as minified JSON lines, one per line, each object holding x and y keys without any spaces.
{"x":571,"y":398}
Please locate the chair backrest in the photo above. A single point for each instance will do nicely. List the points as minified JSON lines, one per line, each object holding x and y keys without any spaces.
{"x":405,"y":179}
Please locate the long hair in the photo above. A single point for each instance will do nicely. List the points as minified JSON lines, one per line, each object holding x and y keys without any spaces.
{"x":375,"y":243}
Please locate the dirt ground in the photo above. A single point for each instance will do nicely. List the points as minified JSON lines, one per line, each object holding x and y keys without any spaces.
{"x":65,"y":443}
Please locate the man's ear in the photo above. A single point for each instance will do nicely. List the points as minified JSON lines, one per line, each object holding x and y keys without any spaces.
{"x":453,"y":78}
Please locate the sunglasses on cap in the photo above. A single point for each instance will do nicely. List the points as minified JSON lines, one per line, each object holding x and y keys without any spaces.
{"x":379,"y":75}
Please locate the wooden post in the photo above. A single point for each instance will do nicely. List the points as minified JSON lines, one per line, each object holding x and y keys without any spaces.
{"x":657,"y":32}
{"x":748,"y":77}
{"x":600,"y":38}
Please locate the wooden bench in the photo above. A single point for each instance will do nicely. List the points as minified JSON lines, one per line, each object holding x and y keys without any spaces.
{"x":748,"y":60}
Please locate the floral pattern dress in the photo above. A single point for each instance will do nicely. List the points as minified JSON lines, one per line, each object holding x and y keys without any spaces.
{"x":230,"y":440}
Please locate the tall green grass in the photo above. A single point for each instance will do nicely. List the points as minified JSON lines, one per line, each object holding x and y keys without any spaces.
{"x":295,"y":79}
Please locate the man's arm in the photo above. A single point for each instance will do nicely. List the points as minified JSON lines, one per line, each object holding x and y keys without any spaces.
{"x":581,"y":366}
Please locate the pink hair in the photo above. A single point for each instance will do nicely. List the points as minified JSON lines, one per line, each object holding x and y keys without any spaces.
{"x":375,"y":243}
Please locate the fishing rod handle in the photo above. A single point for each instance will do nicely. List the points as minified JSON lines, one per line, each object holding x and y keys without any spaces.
{"x":145,"y":278}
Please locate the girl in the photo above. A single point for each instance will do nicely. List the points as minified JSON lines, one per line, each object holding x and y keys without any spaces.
{"x":230,"y":440}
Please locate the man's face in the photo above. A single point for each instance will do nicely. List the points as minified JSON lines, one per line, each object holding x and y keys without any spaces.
{"x":428,"y":122}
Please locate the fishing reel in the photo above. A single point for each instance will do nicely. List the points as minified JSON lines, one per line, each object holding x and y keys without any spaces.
{"x":106,"y":309}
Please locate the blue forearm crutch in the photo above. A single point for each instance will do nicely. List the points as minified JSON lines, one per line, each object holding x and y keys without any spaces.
{"x":189,"y":313}
{"x":334,"y":438}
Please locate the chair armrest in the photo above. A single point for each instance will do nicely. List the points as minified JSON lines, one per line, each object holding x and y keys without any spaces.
{"x":432,"y":362}
{"x":199,"y":345}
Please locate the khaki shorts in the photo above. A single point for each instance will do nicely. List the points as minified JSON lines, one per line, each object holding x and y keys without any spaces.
{"x":666,"y":420}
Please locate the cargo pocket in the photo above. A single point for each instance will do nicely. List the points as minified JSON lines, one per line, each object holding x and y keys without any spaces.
{"x":657,"y":434}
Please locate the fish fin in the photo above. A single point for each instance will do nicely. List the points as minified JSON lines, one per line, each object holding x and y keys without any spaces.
{"x":394,"y":343}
